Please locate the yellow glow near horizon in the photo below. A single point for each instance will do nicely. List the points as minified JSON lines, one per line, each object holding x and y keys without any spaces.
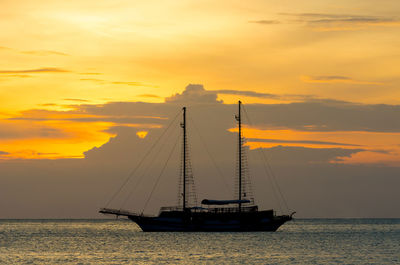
{"x":142,"y":134}
{"x":75,"y":138}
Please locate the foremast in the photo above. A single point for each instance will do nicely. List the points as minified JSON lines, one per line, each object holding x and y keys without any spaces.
{"x":187,"y":189}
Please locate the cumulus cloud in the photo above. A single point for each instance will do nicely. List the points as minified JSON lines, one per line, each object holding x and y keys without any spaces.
{"x":194,"y":93}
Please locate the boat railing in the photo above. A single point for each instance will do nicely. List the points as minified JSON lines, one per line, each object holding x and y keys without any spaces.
{"x":171,"y":208}
{"x":233,"y":209}
{"x":211,"y":209}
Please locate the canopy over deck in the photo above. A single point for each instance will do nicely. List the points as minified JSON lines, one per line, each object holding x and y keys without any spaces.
{"x":222,"y":202}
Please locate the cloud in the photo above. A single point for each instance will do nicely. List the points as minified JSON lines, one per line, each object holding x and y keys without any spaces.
{"x":92,"y":79}
{"x":327,"y":115}
{"x":297,"y":142}
{"x":148,"y":96}
{"x":335,"y":79}
{"x":38,"y":70}
{"x":4,"y":153}
{"x":76,"y":99}
{"x":16,"y":75}
{"x":44,"y":53}
{"x":27,"y":130}
{"x":194,"y":93}
{"x":308,"y":115}
{"x":90,"y":73}
{"x":246,"y":93}
{"x":129,"y":83}
{"x":303,"y":155}
{"x":35,"y":52}
{"x":341,"y":22}
{"x":255,"y":94}
{"x":48,"y":104}
{"x":81,"y":114}
{"x":303,"y":173}
{"x":265,"y":22}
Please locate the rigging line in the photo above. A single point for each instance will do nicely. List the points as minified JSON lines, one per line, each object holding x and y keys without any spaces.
{"x":140,"y":163}
{"x":159,"y":176}
{"x":269,"y":166}
{"x":268,"y":174}
{"x":276,"y":182}
{"x":209,"y":153}
{"x":139,"y":180}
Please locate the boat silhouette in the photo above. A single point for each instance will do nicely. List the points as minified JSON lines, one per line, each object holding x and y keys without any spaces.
{"x":239,"y":214}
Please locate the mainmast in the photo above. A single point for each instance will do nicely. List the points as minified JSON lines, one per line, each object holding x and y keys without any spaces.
{"x":184,"y":158}
{"x":238,"y":118}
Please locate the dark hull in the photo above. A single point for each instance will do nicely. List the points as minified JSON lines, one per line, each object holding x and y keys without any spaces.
{"x":206,"y":222}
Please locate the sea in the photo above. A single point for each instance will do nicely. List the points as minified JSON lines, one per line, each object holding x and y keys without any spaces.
{"x":301,"y":241}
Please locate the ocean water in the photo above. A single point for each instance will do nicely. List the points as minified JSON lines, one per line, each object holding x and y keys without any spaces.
{"x":306,"y":241}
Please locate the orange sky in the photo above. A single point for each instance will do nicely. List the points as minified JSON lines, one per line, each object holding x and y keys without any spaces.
{"x":57,"y":55}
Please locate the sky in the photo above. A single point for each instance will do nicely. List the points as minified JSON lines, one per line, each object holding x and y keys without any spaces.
{"x":81,"y":81}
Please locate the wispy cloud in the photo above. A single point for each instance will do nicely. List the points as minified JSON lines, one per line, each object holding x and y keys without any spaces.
{"x":44,"y":53}
{"x":249,"y":93}
{"x":35,"y":52}
{"x":148,"y":96}
{"x":38,"y":70}
{"x":48,"y":105}
{"x":246,"y":93}
{"x":297,"y":142}
{"x":4,"y":153}
{"x":128,"y":83}
{"x":90,"y":73}
{"x":265,"y":22}
{"x":329,"y":79}
{"x":76,"y":99}
{"x":341,"y":22}
{"x":92,"y":79}
{"x":16,"y":75}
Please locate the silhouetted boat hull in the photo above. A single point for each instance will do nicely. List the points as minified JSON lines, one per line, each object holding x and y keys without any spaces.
{"x":157,"y":224}
{"x":209,"y":220}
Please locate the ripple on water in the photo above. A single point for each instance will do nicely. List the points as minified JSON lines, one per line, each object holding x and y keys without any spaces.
{"x":367,"y":241}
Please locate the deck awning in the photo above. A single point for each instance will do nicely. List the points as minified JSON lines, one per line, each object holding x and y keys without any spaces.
{"x":222,"y":202}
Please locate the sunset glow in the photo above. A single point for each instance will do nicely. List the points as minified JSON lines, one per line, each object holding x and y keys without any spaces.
{"x":57,"y":56}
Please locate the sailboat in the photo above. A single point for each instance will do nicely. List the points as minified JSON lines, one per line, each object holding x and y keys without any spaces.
{"x":238,"y":215}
